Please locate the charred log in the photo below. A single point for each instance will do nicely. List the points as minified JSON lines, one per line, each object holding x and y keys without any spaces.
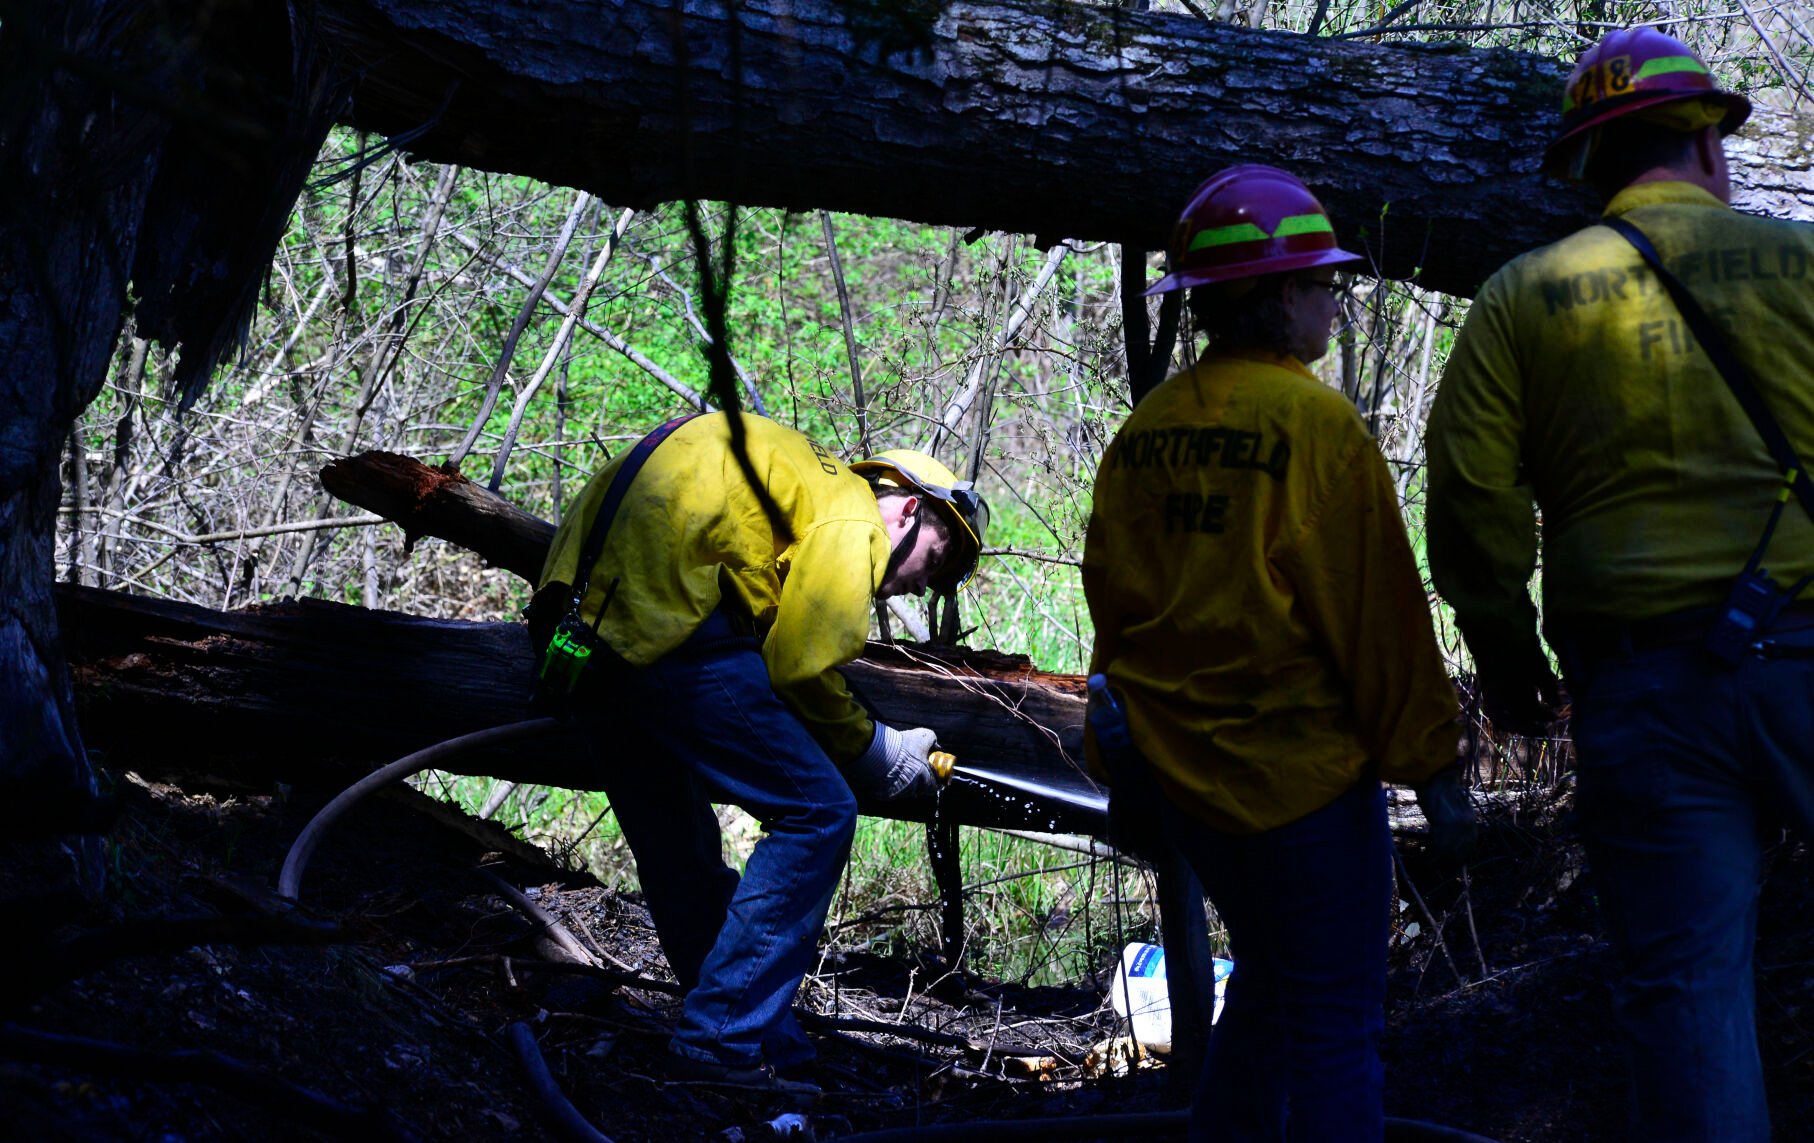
{"x":1060,"y":120}
{"x":437,"y":502}
{"x":320,"y":692}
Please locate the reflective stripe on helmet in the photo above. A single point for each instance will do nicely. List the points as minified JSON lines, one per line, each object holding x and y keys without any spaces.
{"x":1668,"y":65}
{"x":1248,"y":232}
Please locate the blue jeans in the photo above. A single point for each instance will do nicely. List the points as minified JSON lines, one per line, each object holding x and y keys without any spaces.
{"x":1685,"y":768}
{"x":1308,"y":909}
{"x":702,"y":725}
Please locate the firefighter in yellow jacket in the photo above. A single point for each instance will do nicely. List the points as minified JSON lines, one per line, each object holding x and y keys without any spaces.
{"x":723,"y":622}
{"x":1260,"y":619}
{"x":1576,"y":387}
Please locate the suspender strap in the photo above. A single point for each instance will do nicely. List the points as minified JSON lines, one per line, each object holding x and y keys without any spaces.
{"x":614,"y":498}
{"x":1727,"y":363}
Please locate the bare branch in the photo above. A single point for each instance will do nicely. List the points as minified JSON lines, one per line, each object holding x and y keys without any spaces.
{"x":850,"y":335}
{"x":575,"y":308}
{"x":527,"y":311}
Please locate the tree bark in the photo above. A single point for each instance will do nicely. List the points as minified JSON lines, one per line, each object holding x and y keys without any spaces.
{"x":1053,"y":119}
{"x":317,"y":691}
{"x":428,"y":501}
{"x":66,"y":240}
{"x":130,"y":131}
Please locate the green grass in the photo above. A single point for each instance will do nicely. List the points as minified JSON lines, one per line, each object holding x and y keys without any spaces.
{"x":1034,"y":914}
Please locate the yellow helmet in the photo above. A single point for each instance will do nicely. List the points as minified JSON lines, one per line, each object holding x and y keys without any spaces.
{"x":910,"y":468}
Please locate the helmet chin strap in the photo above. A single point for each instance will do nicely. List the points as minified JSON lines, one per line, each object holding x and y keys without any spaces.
{"x":905,"y":547}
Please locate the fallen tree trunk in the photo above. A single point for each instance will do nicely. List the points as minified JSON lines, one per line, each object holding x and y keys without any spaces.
{"x":320,"y":691}
{"x":440,"y":502}
{"x":1053,"y":119}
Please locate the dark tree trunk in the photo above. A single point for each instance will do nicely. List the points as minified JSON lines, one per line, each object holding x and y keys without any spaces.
{"x":1053,"y":119}
{"x":77,"y":172}
{"x":154,"y":143}
{"x":320,"y":691}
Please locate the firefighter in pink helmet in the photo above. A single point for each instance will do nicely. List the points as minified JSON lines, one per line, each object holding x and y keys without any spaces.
{"x":1262,"y":624}
{"x":1575,"y":389}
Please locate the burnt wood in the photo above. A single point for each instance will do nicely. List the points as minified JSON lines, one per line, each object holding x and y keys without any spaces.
{"x":1060,"y":120}
{"x":321,"y":692}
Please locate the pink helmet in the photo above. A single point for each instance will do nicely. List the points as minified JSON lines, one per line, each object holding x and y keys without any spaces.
{"x":1247,"y":221}
{"x":1630,"y":70}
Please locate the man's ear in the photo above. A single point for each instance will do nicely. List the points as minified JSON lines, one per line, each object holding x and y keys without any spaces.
{"x":903,"y":510}
{"x":1714,"y":163}
{"x":1705,"y":142}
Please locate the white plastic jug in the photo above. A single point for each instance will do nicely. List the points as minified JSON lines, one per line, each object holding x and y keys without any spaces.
{"x":1140,"y":989}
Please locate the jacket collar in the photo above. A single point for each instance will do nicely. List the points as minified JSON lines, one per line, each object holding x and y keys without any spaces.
{"x":1660,"y":193}
{"x":1281,"y":360}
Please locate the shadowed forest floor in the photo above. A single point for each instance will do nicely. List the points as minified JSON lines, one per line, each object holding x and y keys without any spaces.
{"x":398,"y":1025}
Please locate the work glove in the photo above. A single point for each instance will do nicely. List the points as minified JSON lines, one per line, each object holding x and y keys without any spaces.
{"x":895,"y":765}
{"x":1446,"y":807}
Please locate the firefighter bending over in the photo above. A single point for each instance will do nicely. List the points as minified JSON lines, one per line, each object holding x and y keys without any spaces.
{"x":713,"y":635}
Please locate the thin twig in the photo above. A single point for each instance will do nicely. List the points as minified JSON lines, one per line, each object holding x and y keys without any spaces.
{"x":1467,"y":904}
{"x":544,"y":920}
{"x":631,"y":979}
{"x":558,"y":346}
{"x":692,"y":318}
{"x":182,"y":537}
{"x":1782,"y":66}
{"x":819,"y":1022}
{"x":674,"y":385}
{"x":999,"y":342}
{"x":850,"y":335}
{"x":988,"y":688}
{"x":492,"y":387}
{"x":1065,"y":558}
{"x":1073,"y":843}
{"x":1404,"y":877}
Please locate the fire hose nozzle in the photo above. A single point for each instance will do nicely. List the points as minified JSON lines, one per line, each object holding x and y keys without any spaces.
{"x":941,"y":763}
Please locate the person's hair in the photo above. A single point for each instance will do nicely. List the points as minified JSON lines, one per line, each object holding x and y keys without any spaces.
{"x":932,"y":511}
{"x":1252,"y":319}
{"x":1628,"y":148}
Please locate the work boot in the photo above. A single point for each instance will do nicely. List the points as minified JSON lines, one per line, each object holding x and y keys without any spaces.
{"x":756,"y":1077}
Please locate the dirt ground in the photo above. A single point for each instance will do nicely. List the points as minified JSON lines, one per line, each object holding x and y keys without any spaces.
{"x":396,"y":1024}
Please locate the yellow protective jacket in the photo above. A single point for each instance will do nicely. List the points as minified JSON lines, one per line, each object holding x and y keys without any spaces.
{"x":691,"y":535}
{"x":1575,"y":384}
{"x":1256,"y":603}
